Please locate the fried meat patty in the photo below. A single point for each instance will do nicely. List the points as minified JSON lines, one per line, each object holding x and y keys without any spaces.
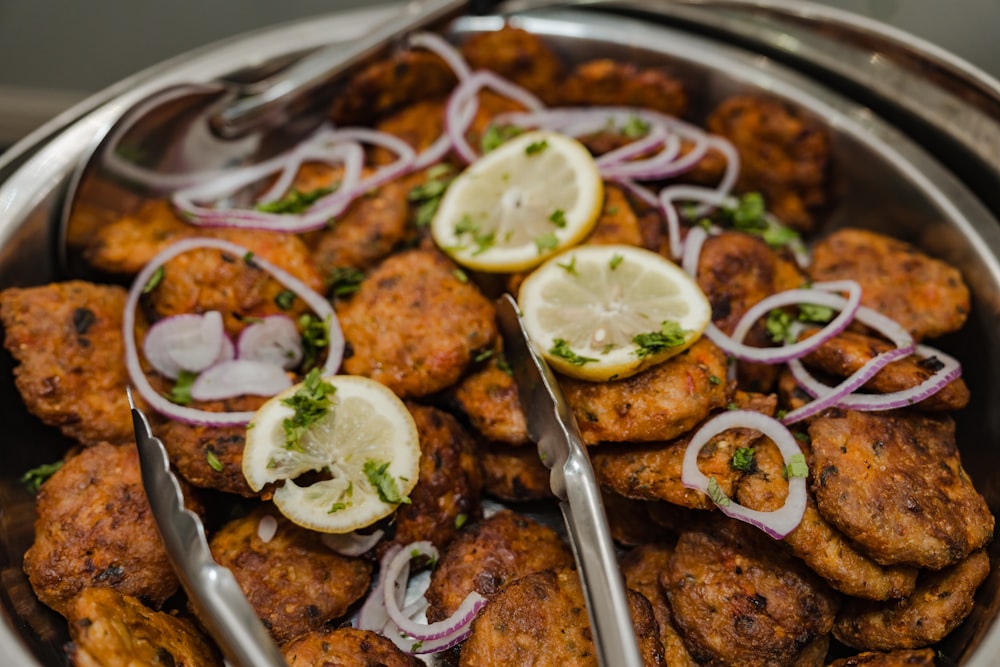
{"x":541,"y":619}
{"x":923,"y":657}
{"x":938,"y":604}
{"x":488,"y":555}
{"x":67,"y":340}
{"x":738,"y":598}
{"x":94,"y":528}
{"x":514,"y":474}
{"x":293,"y":582}
{"x":124,"y":245}
{"x":345,"y":647}
{"x":414,"y":325}
{"x":517,"y":55}
{"x":488,"y":397}
{"x":606,"y":82}
{"x":894,"y":484}
{"x":209,"y":457}
{"x":926,"y":296}
{"x":109,"y":629}
{"x":660,"y":403}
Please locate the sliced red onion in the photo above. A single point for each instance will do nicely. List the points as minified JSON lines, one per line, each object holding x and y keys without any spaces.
{"x":267,"y":528}
{"x":274,"y":339}
{"x":373,"y":615}
{"x":693,"y":244}
{"x":448,"y":53}
{"x":778,"y":523}
{"x":315,"y":301}
{"x":188,"y":342}
{"x":352,"y":544}
{"x":674,"y":193}
{"x":640,"y":192}
{"x":239,"y":377}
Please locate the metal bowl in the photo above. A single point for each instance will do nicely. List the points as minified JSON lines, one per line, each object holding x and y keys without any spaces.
{"x":884,"y":178}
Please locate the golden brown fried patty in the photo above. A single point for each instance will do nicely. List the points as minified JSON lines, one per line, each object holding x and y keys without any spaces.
{"x":926,"y":296}
{"x":612,"y":83}
{"x":642,"y":568}
{"x":109,"y":629}
{"x":209,"y":457}
{"x":894,"y":484}
{"x":783,"y":155}
{"x":660,"y":403}
{"x":939,"y":603}
{"x":630,"y":520}
{"x":489,"y":554}
{"x":923,"y":657}
{"x":848,"y":352}
{"x":618,"y":222}
{"x":541,"y":619}
{"x":739,"y":599}
{"x":294,"y":582}
{"x":488,"y":397}
{"x":820,"y":546}
{"x":94,"y":528}
{"x":125,"y":245}
{"x":513,"y":474}
{"x":67,"y":340}
{"x":517,"y":55}
{"x":345,"y":647}
{"x":414,"y":325}
{"x":447,"y":492}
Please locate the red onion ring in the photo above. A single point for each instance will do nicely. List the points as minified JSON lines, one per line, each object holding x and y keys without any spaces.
{"x":319,"y":305}
{"x":274,"y":339}
{"x":778,"y":523}
{"x":238,"y":377}
{"x":267,"y":528}
{"x":444,"y":50}
{"x":351,"y":544}
{"x":189,"y":342}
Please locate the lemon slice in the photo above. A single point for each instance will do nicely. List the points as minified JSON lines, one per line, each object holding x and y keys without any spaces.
{"x":602,"y":312}
{"x":522,"y":202}
{"x":354,"y":460}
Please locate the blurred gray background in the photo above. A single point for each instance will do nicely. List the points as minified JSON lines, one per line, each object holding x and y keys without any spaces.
{"x":56,"y":52}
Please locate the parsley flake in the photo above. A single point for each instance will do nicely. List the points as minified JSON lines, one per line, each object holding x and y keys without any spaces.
{"x":536,"y":147}
{"x":560,"y":348}
{"x":779,"y":326}
{"x":315,"y":337}
{"x":496,"y":135}
{"x":154,"y":280}
{"x":796,"y":467}
{"x":344,"y":281}
{"x":180,"y":393}
{"x":558,"y":218}
{"x":296,"y":201}
{"x":427,"y":196}
{"x":569,"y":267}
{"x":34,"y":478}
{"x":615,"y":261}
{"x":547,"y":242}
{"x":670,"y":335}
{"x":716,"y":493}
{"x":311,"y":403}
{"x":213,"y":461}
{"x":384,"y":483}
{"x":284,"y":299}
{"x":743,"y":459}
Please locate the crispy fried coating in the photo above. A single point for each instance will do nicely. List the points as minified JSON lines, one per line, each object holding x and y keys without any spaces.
{"x":926,"y":296}
{"x":125,"y":245}
{"x":642,"y":568}
{"x":488,"y":397}
{"x":109,"y":629}
{"x":652,"y":471}
{"x":209,"y":457}
{"x":67,"y":338}
{"x":517,"y":55}
{"x":209,"y":279}
{"x":448,"y":490}
{"x":738,"y":598}
{"x":783,"y":155}
{"x":940,"y":602}
{"x":612,"y":83}
{"x":94,"y":528}
{"x":488,"y":555}
{"x":923,"y":657}
{"x":630,"y":520}
{"x":414,"y":325}
{"x":659,"y":403}
{"x":820,"y":546}
{"x":847,"y":352}
{"x":618,"y":222}
{"x":345,"y":647}
{"x":541,"y":619}
{"x":293,"y":582}
{"x":513,"y":474}
{"x":894,"y":484}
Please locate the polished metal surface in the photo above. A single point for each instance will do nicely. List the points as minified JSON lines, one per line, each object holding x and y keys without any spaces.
{"x":213,"y":591}
{"x":553,"y":428}
{"x":887,"y":177}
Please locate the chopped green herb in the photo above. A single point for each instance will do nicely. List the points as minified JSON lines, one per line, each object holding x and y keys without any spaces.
{"x":732,"y":405}
{"x":558,"y":218}
{"x":296,"y":201}
{"x":714,"y":379}
{"x":180,"y":393}
{"x":536,"y":147}
{"x":284,"y":299}
{"x":311,"y":403}
{"x":466,"y":225}
{"x":749,"y":213}
{"x":743,"y":459}
{"x":336,"y":507}
{"x":569,"y":267}
{"x":779,"y":326}
{"x":154,"y":280}
{"x":716,"y":493}
{"x":213,"y":461}
{"x":35,"y":477}
{"x":460,"y":275}
{"x":635,"y":128}
{"x":810,"y":312}
{"x":248,"y":257}
{"x":460,"y":521}
{"x":428,"y":195}
{"x":615,"y":261}
{"x":315,"y":337}
{"x":498,"y":134}
{"x":796,"y":467}
{"x":344,"y":281}
{"x":801,"y":437}
{"x":483,"y":356}
{"x":670,"y":335}
{"x":547,"y":242}
{"x":502,"y":364}
{"x":560,"y":348}
{"x":384,"y":483}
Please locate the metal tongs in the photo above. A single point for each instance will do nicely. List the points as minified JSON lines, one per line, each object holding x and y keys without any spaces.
{"x":552,"y":426}
{"x":215,"y":594}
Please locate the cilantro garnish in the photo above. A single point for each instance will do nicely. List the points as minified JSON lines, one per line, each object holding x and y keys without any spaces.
{"x":35,"y":477}
{"x":344,"y":280}
{"x":180,"y":393}
{"x":779,"y":326}
{"x":558,"y":218}
{"x":311,"y":403}
{"x":384,"y":483}
{"x":213,"y":461}
{"x":546,"y":242}
{"x":569,"y":267}
{"x":743,"y":459}
{"x":810,"y":312}
{"x":796,"y":467}
{"x":154,"y":280}
{"x":536,"y":147}
{"x":615,"y":261}
{"x":295,"y":201}
{"x":315,"y":337}
{"x":498,"y":134}
{"x":428,"y":195}
{"x":635,"y":128}
{"x":284,"y":299}
{"x":716,"y":493}
{"x":670,"y":335}
{"x":560,"y":348}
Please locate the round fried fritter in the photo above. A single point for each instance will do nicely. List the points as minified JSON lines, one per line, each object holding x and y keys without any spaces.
{"x":414,"y":325}
{"x":94,"y":529}
{"x":924,"y":657}
{"x":611,"y":83}
{"x":109,"y":629}
{"x":67,"y":338}
{"x":489,"y":554}
{"x":488,"y":397}
{"x":517,"y":55}
{"x":126,"y":244}
{"x":345,"y":647}
{"x":820,"y":546}
{"x":926,"y":296}
{"x":450,"y":484}
{"x":630,"y":520}
{"x":293,"y":582}
{"x":618,"y":222}
{"x":209,"y":457}
{"x":783,"y":155}
{"x":739,"y":599}
{"x":541,"y":619}
{"x":938,"y":604}
{"x":642,"y":568}
{"x":660,"y":403}
{"x":514,"y":474}
{"x":893,"y":483}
